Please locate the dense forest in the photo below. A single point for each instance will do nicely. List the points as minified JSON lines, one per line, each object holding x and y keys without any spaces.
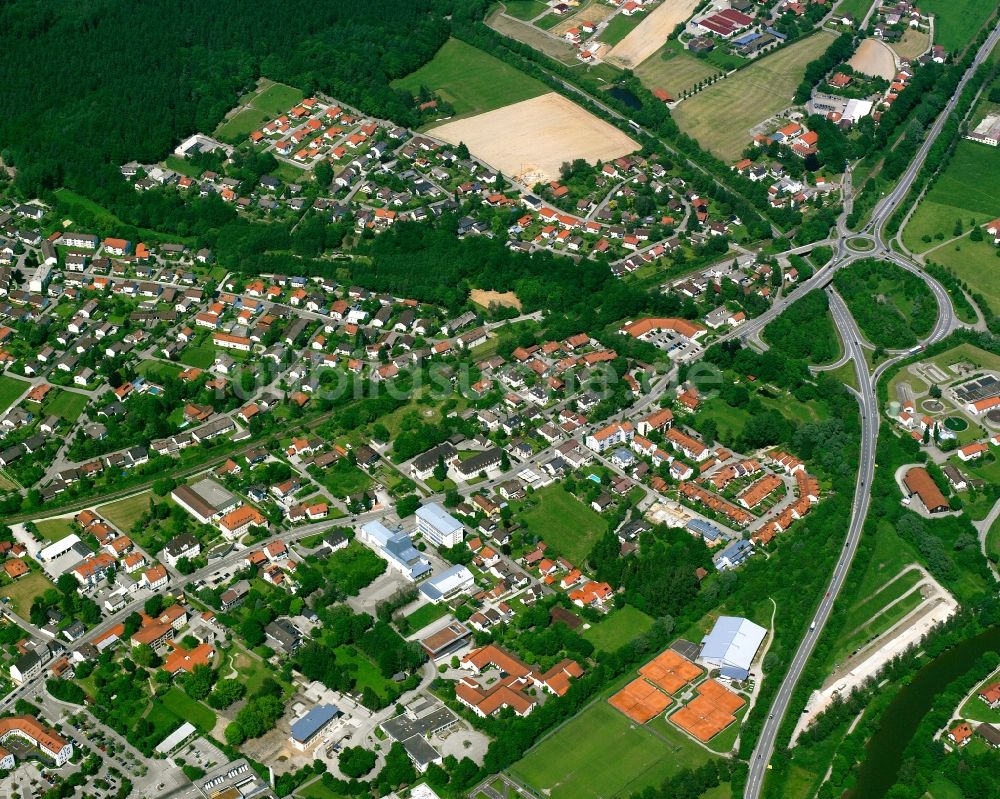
{"x":805,"y":330}
{"x":90,"y":85}
{"x":893,"y":307}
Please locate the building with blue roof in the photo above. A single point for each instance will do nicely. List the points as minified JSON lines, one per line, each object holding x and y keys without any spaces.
{"x":705,"y":529}
{"x":747,"y":38}
{"x":732,"y":646}
{"x":733,"y":555}
{"x":448,"y":584}
{"x":311,"y":724}
{"x":397,"y":548}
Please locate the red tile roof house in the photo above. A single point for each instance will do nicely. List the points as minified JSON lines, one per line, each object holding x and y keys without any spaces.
{"x":991,"y":695}
{"x":960,"y":734}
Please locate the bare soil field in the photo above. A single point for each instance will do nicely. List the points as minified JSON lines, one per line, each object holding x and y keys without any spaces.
{"x":507,"y":299}
{"x":913,"y":43}
{"x":532,"y":139}
{"x":874,"y":58}
{"x":651,"y":33}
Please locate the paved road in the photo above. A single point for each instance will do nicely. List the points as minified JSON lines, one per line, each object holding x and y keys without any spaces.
{"x":868,"y":401}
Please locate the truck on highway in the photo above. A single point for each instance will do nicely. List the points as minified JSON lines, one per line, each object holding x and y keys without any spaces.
{"x":812,"y":627}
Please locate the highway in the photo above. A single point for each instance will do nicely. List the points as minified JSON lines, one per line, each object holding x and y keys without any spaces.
{"x":868,"y":401}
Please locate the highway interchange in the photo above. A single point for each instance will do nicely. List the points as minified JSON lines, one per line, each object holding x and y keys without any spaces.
{"x":867,"y":399}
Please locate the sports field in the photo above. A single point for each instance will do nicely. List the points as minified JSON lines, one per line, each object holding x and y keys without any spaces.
{"x":10,"y":390}
{"x":528,"y":140}
{"x":675,"y":73}
{"x":600,"y":754}
{"x":874,"y":58}
{"x":966,"y":190}
{"x":564,"y":523}
{"x":471,"y":80}
{"x":646,"y":38}
{"x":721,"y":116}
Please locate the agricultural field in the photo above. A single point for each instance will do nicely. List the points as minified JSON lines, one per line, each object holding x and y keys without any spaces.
{"x":620,"y":27}
{"x":564,"y":522}
{"x":672,"y":69}
{"x":646,"y":38}
{"x":957,"y":21}
{"x":963,"y":192}
{"x":10,"y":390}
{"x":722,"y":116}
{"x":618,"y":629}
{"x":471,"y":80}
{"x":601,"y":754}
{"x":976,"y":263}
{"x":528,"y":140}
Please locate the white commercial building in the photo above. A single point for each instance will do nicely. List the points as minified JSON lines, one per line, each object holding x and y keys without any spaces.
{"x":448,"y":584}
{"x":438,"y":526}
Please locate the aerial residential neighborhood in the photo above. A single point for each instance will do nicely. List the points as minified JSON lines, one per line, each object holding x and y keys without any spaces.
{"x":537,"y":399}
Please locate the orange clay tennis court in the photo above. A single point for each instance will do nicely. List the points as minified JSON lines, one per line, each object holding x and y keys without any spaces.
{"x":670,"y":671}
{"x":710,"y":712}
{"x":640,"y":701}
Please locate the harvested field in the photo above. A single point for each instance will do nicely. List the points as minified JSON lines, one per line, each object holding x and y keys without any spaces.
{"x":531,"y":140}
{"x":508,"y":299}
{"x":640,"y":701}
{"x":670,"y":671}
{"x":710,"y":712}
{"x":722,"y":116}
{"x":874,"y":58}
{"x":651,"y":33}
{"x":913,"y":43}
